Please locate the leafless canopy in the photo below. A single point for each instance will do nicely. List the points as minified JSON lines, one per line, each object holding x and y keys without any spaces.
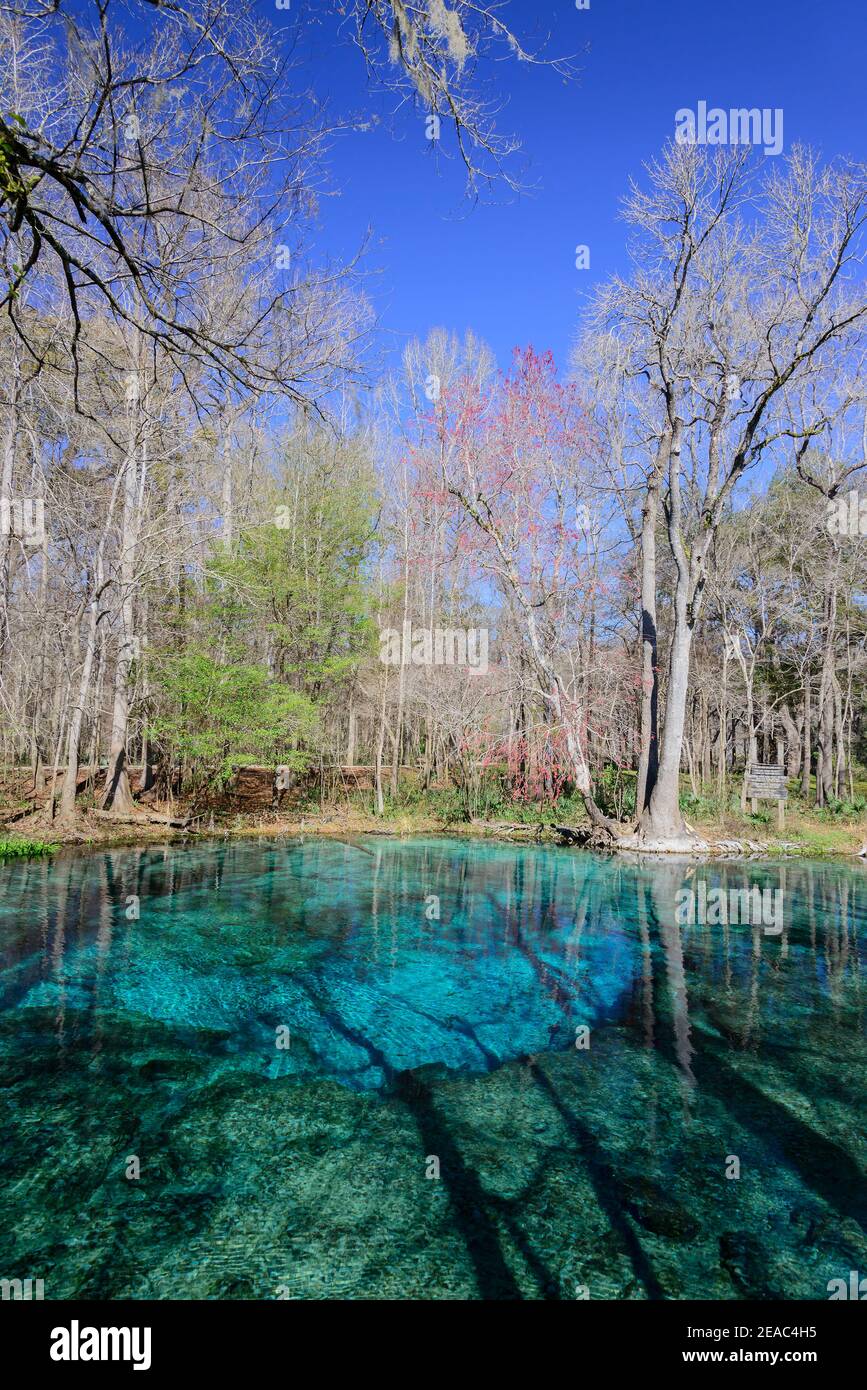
{"x":150,"y":163}
{"x":432,"y":49}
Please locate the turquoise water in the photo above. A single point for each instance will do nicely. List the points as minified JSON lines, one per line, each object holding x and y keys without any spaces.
{"x":350,"y":1070}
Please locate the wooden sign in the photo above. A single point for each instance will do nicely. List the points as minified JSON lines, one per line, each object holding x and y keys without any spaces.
{"x":767,"y":782}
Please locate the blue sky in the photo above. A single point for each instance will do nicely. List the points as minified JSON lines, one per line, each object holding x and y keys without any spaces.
{"x":508,"y":271}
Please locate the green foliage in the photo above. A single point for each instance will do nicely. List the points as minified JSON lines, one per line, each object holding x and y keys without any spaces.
{"x":842,"y":810}
{"x":447,"y":804}
{"x":614,"y":791}
{"x":253,"y":665}
{"x":490,"y":801}
{"x":220,"y":715}
{"x":709,"y":805}
{"x":301,"y":582}
{"x":25,"y":849}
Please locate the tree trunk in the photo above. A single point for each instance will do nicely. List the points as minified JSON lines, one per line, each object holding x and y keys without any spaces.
{"x":793,"y":741}
{"x":117,"y":795}
{"x":706,"y":767}
{"x":648,"y":755}
{"x":825,"y":715}
{"x":380,"y":747}
{"x":752,"y":751}
{"x":662,"y":819}
{"x":662,"y":824}
{"x":722,"y":750}
{"x":350,"y":735}
{"x":839,"y":741}
{"x":806,"y":756}
{"x":7,"y":475}
{"x":66,"y":815}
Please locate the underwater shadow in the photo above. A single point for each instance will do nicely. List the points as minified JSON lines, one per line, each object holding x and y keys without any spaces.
{"x":610,"y":1194}
{"x":822,"y":1165}
{"x":468,"y":1198}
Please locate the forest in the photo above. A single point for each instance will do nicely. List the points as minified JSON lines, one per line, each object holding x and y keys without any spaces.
{"x":588,"y":592}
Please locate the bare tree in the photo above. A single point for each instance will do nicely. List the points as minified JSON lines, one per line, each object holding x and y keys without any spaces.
{"x":140,"y":169}
{"x":723,"y":320}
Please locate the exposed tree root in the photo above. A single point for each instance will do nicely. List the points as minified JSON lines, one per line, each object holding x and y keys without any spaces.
{"x":143,"y":818}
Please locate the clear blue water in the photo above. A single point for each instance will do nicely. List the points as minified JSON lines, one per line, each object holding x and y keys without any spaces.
{"x":291,"y":1039}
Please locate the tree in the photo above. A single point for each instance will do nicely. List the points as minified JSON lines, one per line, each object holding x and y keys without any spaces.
{"x":724,"y":322}
{"x":158,"y":171}
{"x":219,"y":715}
{"x":507,"y":459}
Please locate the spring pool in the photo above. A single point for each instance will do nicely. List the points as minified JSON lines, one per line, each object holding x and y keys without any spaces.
{"x":428,"y":1068}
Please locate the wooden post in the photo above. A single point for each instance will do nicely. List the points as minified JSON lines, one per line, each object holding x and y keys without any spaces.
{"x":781,"y":814}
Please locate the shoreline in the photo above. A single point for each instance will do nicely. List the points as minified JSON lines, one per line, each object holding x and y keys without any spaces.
{"x":717,"y":843}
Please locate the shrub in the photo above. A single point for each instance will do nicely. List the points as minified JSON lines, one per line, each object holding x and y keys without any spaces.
{"x":25,"y":849}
